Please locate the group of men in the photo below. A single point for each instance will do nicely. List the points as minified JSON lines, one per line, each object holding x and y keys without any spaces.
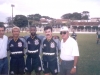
{"x":37,"y":52}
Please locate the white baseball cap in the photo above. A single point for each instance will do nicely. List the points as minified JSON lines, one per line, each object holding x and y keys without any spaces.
{"x":64,"y":28}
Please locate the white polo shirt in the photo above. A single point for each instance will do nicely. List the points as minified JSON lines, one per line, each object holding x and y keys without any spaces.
{"x":69,"y":49}
{"x":3,"y":47}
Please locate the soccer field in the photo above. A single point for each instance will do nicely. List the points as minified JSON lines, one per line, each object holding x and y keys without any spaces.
{"x":89,"y":60}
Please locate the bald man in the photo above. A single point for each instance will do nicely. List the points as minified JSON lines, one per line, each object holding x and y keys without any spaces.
{"x":16,"y":47}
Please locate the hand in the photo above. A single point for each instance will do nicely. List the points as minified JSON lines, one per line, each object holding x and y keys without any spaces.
{"x":73,"y":71}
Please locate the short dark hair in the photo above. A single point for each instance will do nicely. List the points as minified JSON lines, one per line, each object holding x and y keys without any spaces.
{"x":2,"y":26}
{"x":48,"y":27}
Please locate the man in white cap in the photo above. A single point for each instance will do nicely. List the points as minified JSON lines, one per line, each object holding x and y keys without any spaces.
{"x":69,"y":53}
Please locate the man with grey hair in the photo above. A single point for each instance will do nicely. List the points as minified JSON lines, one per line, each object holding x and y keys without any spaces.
{"x":69,"y":53}
{"x":3,"y":52}
{"x":16,"y":47}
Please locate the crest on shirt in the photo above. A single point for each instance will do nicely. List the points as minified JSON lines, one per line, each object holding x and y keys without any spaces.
{"x":28,"y":42}
{"x":44,"y":45}
{"x":19,"y":44}
{"x":52,"y":45}
{"x":36,"y":42}
{"x":11,"y":45}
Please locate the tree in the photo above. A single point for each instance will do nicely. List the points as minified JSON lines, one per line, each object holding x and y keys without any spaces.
{"x":30,"y":17}
{"x":85,"y":15}
{"x":47,"y":17}
{"x":33,"y":18}
{"x":37,"y":17}
{"x":72,"y":16}
{"x":20,"y":21}
{"x":66,"y":16}
{"x":9,"y":20}
{"x":1,"y":23}
{"x":75,"y":16}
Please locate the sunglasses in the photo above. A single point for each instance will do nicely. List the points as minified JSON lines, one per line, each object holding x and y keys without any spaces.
{"x":62,"y":33}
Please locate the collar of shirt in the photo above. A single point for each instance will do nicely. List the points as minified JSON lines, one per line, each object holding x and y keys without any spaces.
{"x":49,"y":39}
{"x":66,"y":40}
{"x":32,"y":36}
{"x":2,"y":38}
{"x":15,"y":39}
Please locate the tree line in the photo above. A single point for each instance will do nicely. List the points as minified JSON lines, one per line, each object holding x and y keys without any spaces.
{"x":23,"y":21}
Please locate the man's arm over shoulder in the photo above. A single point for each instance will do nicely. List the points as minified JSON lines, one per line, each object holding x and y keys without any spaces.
{"x":41,"y":46}
{"x":8,"y":42}
{"x":58,"y":43}
{"x":41,"y":37}
{"x":26,"y":37}
{"x":25,"y":44}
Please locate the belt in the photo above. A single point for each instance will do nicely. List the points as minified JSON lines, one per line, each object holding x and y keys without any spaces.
{"x":33,"y":51}
{"x":18,"y":52}
{"x":44,"y":53}
{"x":3,"y":58}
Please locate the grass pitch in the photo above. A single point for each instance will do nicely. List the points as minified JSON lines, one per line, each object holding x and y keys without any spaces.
{"x":89,"y":60}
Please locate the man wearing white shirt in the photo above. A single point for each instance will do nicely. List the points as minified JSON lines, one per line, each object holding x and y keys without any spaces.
{"x":3,"y":52}
{"x":69,"y":53}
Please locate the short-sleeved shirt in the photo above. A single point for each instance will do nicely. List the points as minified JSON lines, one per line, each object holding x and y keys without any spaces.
{"x":33,"y":46}
{"x":17,"y":48}
{"x":3,"y":47}
{"x":69,"y":49}
{"x":50,"y":49}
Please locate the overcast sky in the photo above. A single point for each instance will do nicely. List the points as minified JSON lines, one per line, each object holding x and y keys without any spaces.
{"x":52,"y":8}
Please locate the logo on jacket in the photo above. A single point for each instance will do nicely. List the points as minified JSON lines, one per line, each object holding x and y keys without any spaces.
{"x":11,"y":45}
{"x":19,"y":44}
{"x":52,"y":45}
{"x":36,"y":42}
{"x":44,"y":45}
{"x":28,"y":42}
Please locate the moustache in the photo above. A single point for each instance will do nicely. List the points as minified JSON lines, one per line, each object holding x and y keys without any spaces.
{"x":47,"y":35}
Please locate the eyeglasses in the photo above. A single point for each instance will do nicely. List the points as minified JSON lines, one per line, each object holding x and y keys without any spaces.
{"x":62,"y":33}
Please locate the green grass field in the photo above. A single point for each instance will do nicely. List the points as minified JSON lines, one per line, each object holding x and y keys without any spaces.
{"x":89,"y":60}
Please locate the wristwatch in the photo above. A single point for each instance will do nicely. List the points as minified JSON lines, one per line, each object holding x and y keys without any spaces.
{"x":74,"y":66}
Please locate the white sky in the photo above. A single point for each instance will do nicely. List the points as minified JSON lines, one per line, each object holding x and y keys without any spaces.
{"x":52,"y":8}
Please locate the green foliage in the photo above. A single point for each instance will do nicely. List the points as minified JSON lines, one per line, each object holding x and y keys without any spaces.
{"x":85,"y":17}
{"x":1,"y":23}
{"x":9,"y":20}
{"x":46,"y":17}
{"x":35,"y":17}
{"x":72,"y":16}
{"x":20,"y":21}
{"x":76,"y":16}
